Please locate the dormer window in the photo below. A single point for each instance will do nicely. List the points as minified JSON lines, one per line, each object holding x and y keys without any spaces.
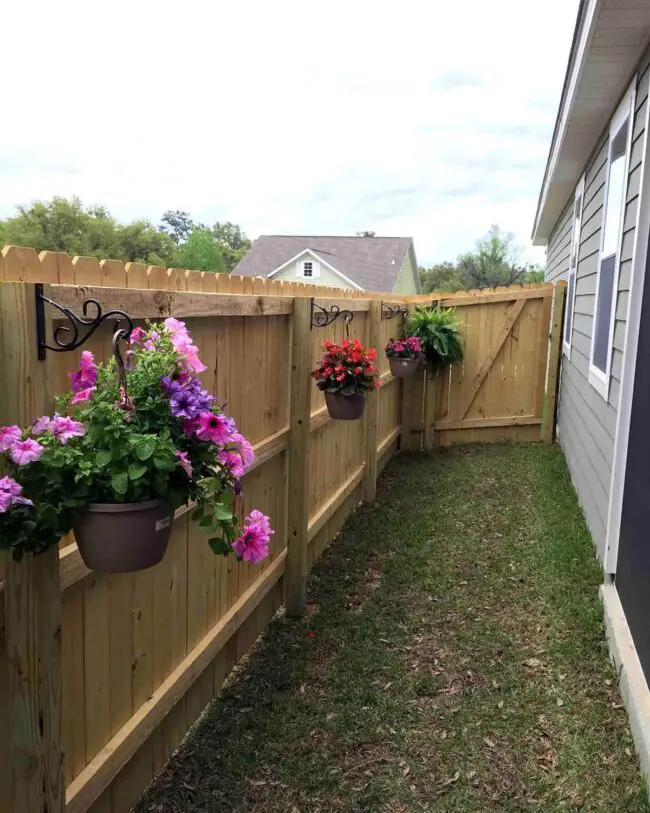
{"x":307,"y":269}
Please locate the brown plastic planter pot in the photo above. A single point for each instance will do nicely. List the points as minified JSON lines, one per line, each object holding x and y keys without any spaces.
{"x":345,"y":407}
{"x":403,"y":368}
{"x":121,"y":537}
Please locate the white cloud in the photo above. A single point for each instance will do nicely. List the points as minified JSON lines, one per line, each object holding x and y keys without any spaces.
{"x":430,"y":119}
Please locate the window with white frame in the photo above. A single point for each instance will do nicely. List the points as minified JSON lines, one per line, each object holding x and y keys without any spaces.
{"x":307,"y":269}
{"x":620,"y":136}
{"x":573,"y":265}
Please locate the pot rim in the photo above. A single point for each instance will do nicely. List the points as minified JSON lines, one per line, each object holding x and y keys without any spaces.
{"x":123,"y":507}
{"x":343,"y":395}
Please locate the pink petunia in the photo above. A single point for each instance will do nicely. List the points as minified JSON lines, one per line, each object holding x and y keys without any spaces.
{"x":188,"y":354}
{"x":150,"y":344}
{"x":41,"y":425}
{"x":213,"y":428}
{"x":184,"y":462}
{"x":137,"y":335}
{"x":244,"y":449}
{"x":233,"y":462}
{"x":26,"y":451}
{"x":8,"y":436}
{"x":10,"y":494}
{"x":64,"y":428}
{"x":178,"y":331}
{"x":86,"y":375}
{"x":83,"y":395}
{"x":253,"y":544}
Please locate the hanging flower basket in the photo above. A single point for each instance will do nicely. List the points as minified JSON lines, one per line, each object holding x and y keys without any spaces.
{"x":404,"y":356}
{"x":346,"y":374}
{"x":121,"y":537}
{"x":437,"y":330}
{"x":124,"y":451}
{"x":345,"y":407}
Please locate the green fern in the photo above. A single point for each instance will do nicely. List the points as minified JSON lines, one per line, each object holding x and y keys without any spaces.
{"x":438,"y":332}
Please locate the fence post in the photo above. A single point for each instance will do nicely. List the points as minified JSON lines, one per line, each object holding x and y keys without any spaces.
{"x":372,"y":411}
{"x":430,"y":408}
{"x":299,"y":418}
{"x":32,"y":596}
{"x":554,"y":357}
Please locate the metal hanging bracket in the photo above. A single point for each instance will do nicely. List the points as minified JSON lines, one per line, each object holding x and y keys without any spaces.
{"x":67,"y":337}
{"x":322,"y":317}
{"x":391,"y":311}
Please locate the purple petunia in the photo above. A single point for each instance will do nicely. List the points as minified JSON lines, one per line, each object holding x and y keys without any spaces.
{"x":183,"y":404}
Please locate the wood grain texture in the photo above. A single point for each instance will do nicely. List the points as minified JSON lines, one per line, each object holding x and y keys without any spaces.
{"x":299,"y":424}
{"x":98,"y":774}
{"x":32,"y":595}
{"x":372,"y":411}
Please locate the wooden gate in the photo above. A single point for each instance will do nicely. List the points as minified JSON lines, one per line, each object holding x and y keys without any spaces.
{"x":500,"y":390}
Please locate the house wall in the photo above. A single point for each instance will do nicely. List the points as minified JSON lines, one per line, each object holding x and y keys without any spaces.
{"x":586,"y":421}
{"x":326,"y":277}
{"x":406,"y":282}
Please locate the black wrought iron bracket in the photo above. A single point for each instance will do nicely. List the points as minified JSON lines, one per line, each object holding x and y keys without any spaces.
{"x":321,"y":317}
{"x":391,"y":311}
{"x":77,"y":329}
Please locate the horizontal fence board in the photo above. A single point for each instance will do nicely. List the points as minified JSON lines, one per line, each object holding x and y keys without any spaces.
{"x":152,"y":304}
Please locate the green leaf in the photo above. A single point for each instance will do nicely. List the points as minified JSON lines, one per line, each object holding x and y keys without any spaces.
{"x":120,"y":482}
{"x":197,"y":514}
{"x":145,"y":448}
{"x":222,"y":513}
{"x":206,"y":522}
{"x":219,"y":546}
{"x":136,"y":470}
{"x":163,"y":463}
{"x":103,"y":458}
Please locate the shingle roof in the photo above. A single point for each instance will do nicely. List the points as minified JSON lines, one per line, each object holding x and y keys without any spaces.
{"x":372,"y":262}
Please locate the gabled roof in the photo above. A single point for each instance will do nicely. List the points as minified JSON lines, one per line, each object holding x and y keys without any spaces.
{"x":373,"y":263}
{"x":608,"y":42}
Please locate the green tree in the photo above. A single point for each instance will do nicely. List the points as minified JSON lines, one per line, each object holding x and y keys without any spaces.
{"x":201,"y":252}
{"x":440,"y":277}
{"x":494,"y":262}
{"x":57,"y":225}
{"x":177,"y":224}
{"x":139,"y":241}
{"x":232,"y":243}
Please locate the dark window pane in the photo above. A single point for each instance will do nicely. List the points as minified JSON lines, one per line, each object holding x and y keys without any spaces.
{"x":569,"y":308}
{"x":604,"y":314}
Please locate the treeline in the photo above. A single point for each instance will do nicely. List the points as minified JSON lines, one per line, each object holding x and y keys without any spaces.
{"x":176,"y":242}
{"x":494,"y":262}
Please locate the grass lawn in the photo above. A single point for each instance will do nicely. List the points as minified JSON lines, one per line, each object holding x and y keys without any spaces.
{"x":452,"y":659}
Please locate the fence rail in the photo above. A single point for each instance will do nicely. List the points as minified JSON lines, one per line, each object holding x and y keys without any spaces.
{"x":112,"y":670}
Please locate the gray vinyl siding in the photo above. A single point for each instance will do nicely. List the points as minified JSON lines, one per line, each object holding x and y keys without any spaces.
{"x":586,"y":422}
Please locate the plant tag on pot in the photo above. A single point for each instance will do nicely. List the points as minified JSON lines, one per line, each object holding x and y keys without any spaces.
{"x":163,"y":523}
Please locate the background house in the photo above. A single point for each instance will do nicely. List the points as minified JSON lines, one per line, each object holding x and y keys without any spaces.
{"x":366,"y":263}
{"x":594,"y":217}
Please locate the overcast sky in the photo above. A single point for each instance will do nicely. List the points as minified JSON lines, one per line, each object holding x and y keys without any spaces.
{"x":423,"y":118}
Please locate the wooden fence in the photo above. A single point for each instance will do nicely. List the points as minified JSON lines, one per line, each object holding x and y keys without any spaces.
{"x":111,"y":671}
{"x":499,"y":391}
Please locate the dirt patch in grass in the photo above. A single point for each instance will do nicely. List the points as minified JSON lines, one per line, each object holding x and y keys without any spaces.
{"x":452,"y":659}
